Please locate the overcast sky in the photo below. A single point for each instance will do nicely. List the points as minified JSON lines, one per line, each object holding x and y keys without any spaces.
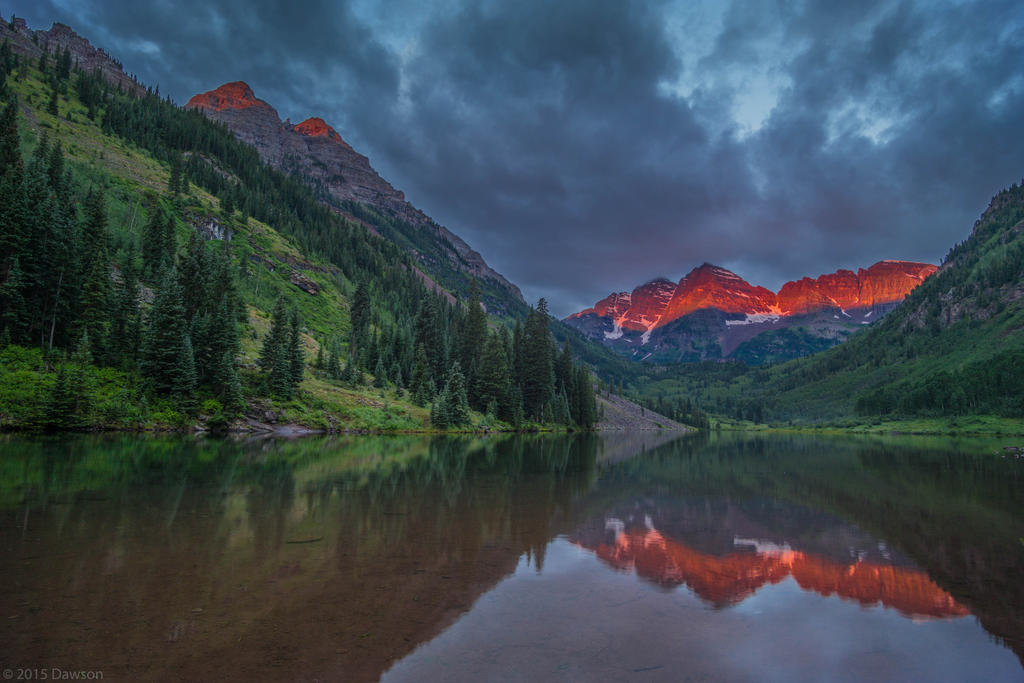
{"x":587,"y":146}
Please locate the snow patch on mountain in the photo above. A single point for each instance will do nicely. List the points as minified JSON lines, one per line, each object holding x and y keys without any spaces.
{"x":755,"y":319}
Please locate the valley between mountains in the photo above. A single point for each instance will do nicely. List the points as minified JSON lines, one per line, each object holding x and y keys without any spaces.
{"x":235,"y":270}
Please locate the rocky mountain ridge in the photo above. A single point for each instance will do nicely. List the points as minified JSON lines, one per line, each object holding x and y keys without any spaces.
{"x":31,"y":43}
{"x":313,"y":150}
{"x":712,"y":312}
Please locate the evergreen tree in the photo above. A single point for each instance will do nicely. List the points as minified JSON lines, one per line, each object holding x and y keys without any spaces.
{"x":15,"y":315}
{"x":184,"y":380}
{"x":453,"y":398}
{"x":63,"y":71}
{"x":220,"y":335}
{"x":94,"y":229}
{"x":333,"y":369}
{"x":176,"y":180}
{"x":275,"y":358}
{"x":94,"y":316}
{"x":537,"y":378}
{"x":9,"y":140}
{"x":193,"y":273}
{"x":380,"y":378}
{"x":492,"y":378}
{"x":428,"y":334}
{"x":585,"y":407}
{"x":124,"y":329}
{"x":153,"y":244}
{"x":419,"y":385}
{"x":360,"y":313}
{"x":296,"y":355}
{"x":439,"y":412}
{"x":162,"y":359}
{"x":320,"y":364}
{"x":61,"y":403}
{"x":231,"y":387}
{"x":563,"y":370}
{"x":474,"y":337}
{"x":348,"y":375}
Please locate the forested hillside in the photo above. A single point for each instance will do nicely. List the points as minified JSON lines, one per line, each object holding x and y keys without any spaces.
{"x":155,"y":273}
{"x":954,"y":347}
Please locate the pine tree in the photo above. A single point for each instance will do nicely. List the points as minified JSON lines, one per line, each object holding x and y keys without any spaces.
{"x":320,"y":364}
{"x":537,"y":378}
{"x":474,"y":337}
{"x":348,"y":375}
{"x":193,"y":272}
{"x":380,"y":378}
{"x":563,"y":370}
{"x":124,"y":328}
{"x":427,"y":330}
{"x":231,"y":394}
{"x":585,"y":404}
{"x":176,"y":178}
{"x":63,"y":71}
{"x":10,"y":153}
{"x":15,"y":316}
{"x":95,"y":304}
{"x":60,"y":405}
{"x":360,"y":313}
{"x":94,"y":229}
{"x":275,"y":358}
{"x":439,"y":412}
{"x":162,"y":359}
{"x":333,"y":369}
{"x":492,"y":378}
{"x":184,"y":385}
{"x":296,"y":355}
{"x":52,"y":106}
{"x":452,"y":399}
{"x":153,"y":242}
{"x":418,"y":386}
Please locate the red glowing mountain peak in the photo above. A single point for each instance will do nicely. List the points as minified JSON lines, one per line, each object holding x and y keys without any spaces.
{"x":712,"y":287}
{"x":234,"y":95}
{"x":316,"y":127}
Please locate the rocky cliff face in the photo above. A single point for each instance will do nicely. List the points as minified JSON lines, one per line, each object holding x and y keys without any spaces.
{"x":712,"y":312}
{"x":316,"y":152}
{"x":27,"y":42}
{"x":886,"y":282}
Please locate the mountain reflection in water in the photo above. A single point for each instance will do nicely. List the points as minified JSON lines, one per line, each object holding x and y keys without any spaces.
{"x":729,"y":579}
{"x":349,"y":559}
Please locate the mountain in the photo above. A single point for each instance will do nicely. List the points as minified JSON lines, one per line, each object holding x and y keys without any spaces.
{"x":156,"y":272}
{"x":25,"y":41}
{"x":954,"y":347}
{"x":714,"y":313}
{"x":314,"y":151}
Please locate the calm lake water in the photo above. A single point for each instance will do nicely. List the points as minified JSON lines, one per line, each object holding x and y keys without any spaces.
{"x":633,"y":558}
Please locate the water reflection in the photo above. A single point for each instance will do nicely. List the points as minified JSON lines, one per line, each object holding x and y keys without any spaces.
{"x":335,"y":558}
{"x":728,"y":579}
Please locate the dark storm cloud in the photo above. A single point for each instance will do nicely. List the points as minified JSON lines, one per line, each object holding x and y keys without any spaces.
{"x":588,"y":146}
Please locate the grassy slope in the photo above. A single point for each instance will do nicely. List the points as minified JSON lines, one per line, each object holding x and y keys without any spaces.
{"x":134,"y":182}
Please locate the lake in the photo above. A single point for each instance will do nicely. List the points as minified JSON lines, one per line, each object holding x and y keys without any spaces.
{"x":640,"y":557}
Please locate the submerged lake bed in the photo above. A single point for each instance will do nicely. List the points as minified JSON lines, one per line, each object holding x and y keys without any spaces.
{"x":588,"y":557}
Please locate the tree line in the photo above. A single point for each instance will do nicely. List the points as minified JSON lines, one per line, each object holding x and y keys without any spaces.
{"x":172,"y":312}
